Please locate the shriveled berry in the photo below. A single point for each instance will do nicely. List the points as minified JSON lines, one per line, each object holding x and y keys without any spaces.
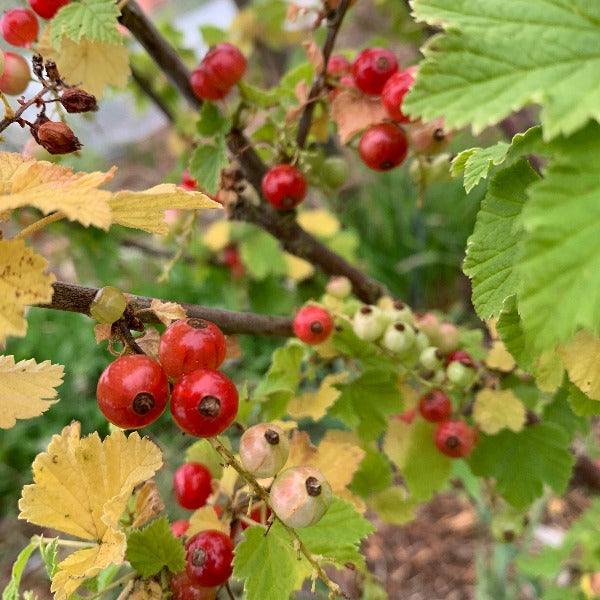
{"x":191,"y":344}
{"x":179,"y":527}
{"x":209,"y":555}
{"x":182,"y":588}
{"x":47,"y":8}
{"x":19,"y":27}
{"x":264,"y":449}
{"x":57,"y":138}
{"x":455,"y":438}
{"x":312,"y":324}
{"x":435,"y":406}
{"x":108,"y":305}
{"x":284,"y":187}
{"x":16,"y":75}
{"x":225,"y":64}
{"x":132,"y":391}
{"x":75,"y":100}
{"x":204,"y":403}
{"x":383,"y":147}
{"x":192,"y":483}
{"x":392,"y":95}
{"x":372,"y":68}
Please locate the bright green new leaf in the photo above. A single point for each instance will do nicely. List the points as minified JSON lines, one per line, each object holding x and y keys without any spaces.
{"x":258,"y":97}
{"x":202,"y":452}
{"x":49,"y":553}
{"x":261,"y":255}
{"x":211,"y":121}
{"x":93,"y":19}
{"x":393,"y":506}
{"x":580,"y":403}
{"x":151,"y":549}
{"x":496,"y":56}
{"x":11,"y":591}
{"x":206,"y":164}
{"x":374,"y":474}
{"x":522,"y":463}
{"x":494,"y":248}
{"x":511,"y":333}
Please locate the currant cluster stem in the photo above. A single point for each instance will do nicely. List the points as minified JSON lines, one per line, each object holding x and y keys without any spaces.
{"x":230,"y":459}
{"x":16,"y":115}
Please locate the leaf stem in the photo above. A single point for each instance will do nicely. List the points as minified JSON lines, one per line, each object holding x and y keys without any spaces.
{"x":39,"y":225}
{"x":116,"y":583}
{"x":38,"y":539}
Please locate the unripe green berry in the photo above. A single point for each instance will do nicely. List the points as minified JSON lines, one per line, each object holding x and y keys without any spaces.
{"x":335,"y":171}
{"x":339,"y":287}
{"x":399,"y":337}
{"x":300,"y":496}
{"x":331,"y":303}
{"x":460,"y":375}
{"x":108,"y":305}
{"x":264,"y":449}
{"x":400,"y":312}
{"x":431,"y":358}
{"x":422,"y":341}
{"x":369,"y":323}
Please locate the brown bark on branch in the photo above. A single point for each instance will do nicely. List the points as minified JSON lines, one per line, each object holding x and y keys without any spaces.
{"x":76,"y":298}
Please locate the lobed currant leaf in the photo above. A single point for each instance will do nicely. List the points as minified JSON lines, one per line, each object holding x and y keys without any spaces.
{"x":206,"y":163}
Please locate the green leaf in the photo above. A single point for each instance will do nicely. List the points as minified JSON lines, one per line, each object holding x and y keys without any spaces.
{"x":202,"y":452}
{"x":268,"y":564}
{"x":49,"y":553}
{"x":212,"y":35}
{"x":261,"y":255}
{"x":495,"y":245}
{"x":257,"y":97}
{"x":496,"y":56}
{"x":92,"y":19}
{"x":523,"y":462}
{"x":511,"y":333}
{"x":206,"y":164}
{"x":211,"y":121}
{"x":559,"y":411}
{"x":392,"y":505}
{"x":11,"y":591}
{"x":338,"y":534}
{"x":153,"y":548}
{"x":581,"y":404}
{"x":365,"y":403}
{"x":560,"y":267}
{"x":374,"y":474}
{"x":477,"y":162}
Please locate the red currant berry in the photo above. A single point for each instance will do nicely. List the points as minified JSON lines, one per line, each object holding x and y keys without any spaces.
{"x":16,"y":75}
{"x":188,"y":182}
{"x":461,"y":356}
{"x":408,"y":416}
{"x":192,"y":483}
{"x":132,"y":391}
{"x":47,"y":8}
{"x":312,"y":324}
{"x":191,"y":344}
{"x":183,"y":589}
{"x":178,"y":528}
{"x":383,"y":147}
{"x":204,"y":86}
{"x":233,"y":260}
{"x":372,"y":68}
{"x":225,"y":64}
{"x":284,"y":187}
{"x":19,"y":27}
{"x":338,"y":66}
{"x":455,"y":438}
{"x":435,"y":406}
{"x":204,"y":403}
{"x":209,"y":557}
{"x":394,"y":90}
{"x":259,"y":514}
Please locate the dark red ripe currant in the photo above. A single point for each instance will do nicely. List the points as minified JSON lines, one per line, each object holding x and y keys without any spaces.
{"x":225,"y":64}
{"x":182,"y":588}
{"x":192,"y":483}
{"x":312,"y":324}
{"x":284,"y":187}
{"x":462,"y":357}
{"x":435,"y":406}
{"x":204,"y":85}
{"x":188,"y":182}
{"x":455,"y":438}
{"x":392,"y":96}
{"x":383,"y":147}
{"x":209,"y":557}
{"x":191,"y":344}
{"x":372,"y":68}
{"x":132,"y":391}
{"x":204,"y":403}
{"x":47,"y":8}
{"x":338,"y":66}
{"x":19,"y":27}
{"x":178,"y":528}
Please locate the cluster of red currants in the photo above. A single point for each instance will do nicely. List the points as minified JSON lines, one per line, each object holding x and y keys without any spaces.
{"x":222,"y":67}
{"x":133,"y":390}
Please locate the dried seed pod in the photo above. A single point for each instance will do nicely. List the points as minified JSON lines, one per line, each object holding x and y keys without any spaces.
{"x":76,"y":100}
{"x":57,"y":138}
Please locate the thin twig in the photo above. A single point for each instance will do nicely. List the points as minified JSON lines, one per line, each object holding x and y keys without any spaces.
{"x":9,"y":119}
{"x":126,"y":337}
{"x":147,"y":88}
{"x":39,"y":225}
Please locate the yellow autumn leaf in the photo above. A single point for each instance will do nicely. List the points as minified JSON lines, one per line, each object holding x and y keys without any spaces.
{"x":581,"y":358}
{"x":27,"y":389}
{"x":319,"y":222}
{"x":167,"y":312}
{"x":206,"y":518}
{"x":142,"y":589}
{"x":314,"y":404}
{"x":298,"y":269}
{"x":81,"y":487}
{"x":22,"y":282}
{"x":217,"y":236}
{"x":495,"y":410}
{"x":148,"y":504}
{"x":146,"y":210}
{"x":499,"y":358}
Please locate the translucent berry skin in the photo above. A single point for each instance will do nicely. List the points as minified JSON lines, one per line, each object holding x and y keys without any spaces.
{"x":312,"y":324}
{"x":225,"y":65}
{"x":179,"y":528}
{"x":455,"y":438}
{"x":383,"y":147}
{"x":372,"y":68}
{"x":394,"y":90}
{"x":192,"y":484}
{"x":435,"y":406}
{"x":209,"y":557}
{"x":338,"y":66}
{"x":191,"y":344}
{"x":108,"y":305}
{"x":47,"y":8}
{"x":204,"y":403}
{"x":264,"y":449}
{"x":284,"y":187}
{"x":16,"y":75}
{"x":461,"y":356}
{"x":132,"y":391}
{"x":204,"y":85}
{"x":182,"y":588}
{"x":19,"y":27}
